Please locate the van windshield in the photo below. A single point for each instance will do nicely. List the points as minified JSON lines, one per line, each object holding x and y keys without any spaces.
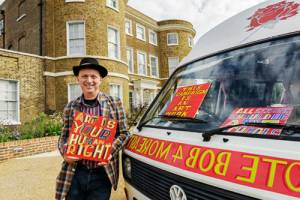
{"x":265,"y":75}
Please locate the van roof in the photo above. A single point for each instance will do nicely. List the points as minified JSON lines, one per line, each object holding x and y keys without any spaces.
{"x":265,"y":20}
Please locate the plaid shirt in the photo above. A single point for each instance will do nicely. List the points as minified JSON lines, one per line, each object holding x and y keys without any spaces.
{"x":110,"y":107}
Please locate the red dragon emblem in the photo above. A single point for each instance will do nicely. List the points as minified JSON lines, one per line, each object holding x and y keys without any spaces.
{"x":273,"y":13}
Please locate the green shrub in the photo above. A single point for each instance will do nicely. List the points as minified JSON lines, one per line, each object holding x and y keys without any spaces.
{"x":41,"y":126}
{"x":7,"y":134}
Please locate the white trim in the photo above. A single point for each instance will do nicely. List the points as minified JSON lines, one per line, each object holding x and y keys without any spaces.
{"x":118,"y":42}
{"x":68,"y":73}
{"x":115,"y":9}
{"x":190,"y":41}
{"x":21,"y":17}
{"x":130,"y":25}
{"x":151,"y":31}
{"x":156,"y":27}
{"x":172,"y":44}
{"x":131,"y":49}
{"x":70,"y":57}
{"x":168,"y":27}
{"x":57,"y":74}
{"x":22,"y":53}
{"x":67,"y":32}
{"x":152,"y":56}
{"x":144,"y":28}
{"x":118,"y":75}
{"x":60,"y":57}
{"x":75,"y":1}
{"x":83,"y":56}
{"x":148,"y":77}
{"x":137,"y":61}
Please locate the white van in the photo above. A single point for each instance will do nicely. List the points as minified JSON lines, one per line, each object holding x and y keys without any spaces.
{"x":242,"y":141}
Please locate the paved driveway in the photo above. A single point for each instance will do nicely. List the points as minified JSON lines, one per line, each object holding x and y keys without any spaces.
{"x":33,"y":178}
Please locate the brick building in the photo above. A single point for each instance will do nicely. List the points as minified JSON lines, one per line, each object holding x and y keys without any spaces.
{"x":139,"y":52}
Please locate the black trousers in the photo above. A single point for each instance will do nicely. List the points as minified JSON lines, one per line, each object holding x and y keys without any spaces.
{"x":89,"y":184}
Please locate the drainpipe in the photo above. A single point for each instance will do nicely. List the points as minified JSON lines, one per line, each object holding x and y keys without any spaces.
{"x":3,"y":30}
{"x":41,"y":26}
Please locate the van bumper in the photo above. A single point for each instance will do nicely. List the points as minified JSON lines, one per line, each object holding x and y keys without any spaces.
{"x":133,"y":194}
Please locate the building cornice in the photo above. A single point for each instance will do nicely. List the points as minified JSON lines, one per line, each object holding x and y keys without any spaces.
{"x":62,"y":57}
{"x":21,"y":53}
{"x":176,"y":27}
{"x":68,"y":73}
{"x":163,"y":27}
{"x":90,"y":56}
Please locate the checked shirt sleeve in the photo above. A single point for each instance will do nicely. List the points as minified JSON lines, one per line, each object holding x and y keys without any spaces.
{"x":66,"y":128}
{"x":122,"y":139}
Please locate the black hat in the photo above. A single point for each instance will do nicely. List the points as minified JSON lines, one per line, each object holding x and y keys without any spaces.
{"x":90,"y":63}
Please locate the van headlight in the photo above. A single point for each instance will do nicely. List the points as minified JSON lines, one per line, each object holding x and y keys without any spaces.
{"x":127,"y":167}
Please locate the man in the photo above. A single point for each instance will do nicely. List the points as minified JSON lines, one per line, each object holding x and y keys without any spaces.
{"x":84,"y":179}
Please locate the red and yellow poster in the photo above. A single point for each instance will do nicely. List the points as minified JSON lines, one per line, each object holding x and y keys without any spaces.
{"x":275,"y":174}
{"x":275,"y":115}
{"x":187,"y":100}
{"x":91,"y":137}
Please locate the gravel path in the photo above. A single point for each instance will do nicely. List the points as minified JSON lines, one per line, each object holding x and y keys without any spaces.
{"x":33,"y":178}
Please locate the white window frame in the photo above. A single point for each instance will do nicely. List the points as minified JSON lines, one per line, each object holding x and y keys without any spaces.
{"x":68,"y":39}
{"x":1,"y":26}
{"x":143,"y":27}
{"x":121,"y":90}
{"x":133,"y":99}
{"x":130,"y":26}
{"x":67,"y":1}
{"x":118,"y":42}
{"x":114,"y":8}
{"x":169,"y":65}
{"x":137,"y":61}
{"x":130,"y":49}
{"x":69,"y":90}
{"x":191,"y":41}
{"x":152,"y":56}
{"x":155,"y":42}
{"x":172,"y":44}
{"x":17,"y":122}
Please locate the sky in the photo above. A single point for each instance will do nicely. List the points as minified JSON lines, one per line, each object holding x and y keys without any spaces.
{"x":203,"y":14}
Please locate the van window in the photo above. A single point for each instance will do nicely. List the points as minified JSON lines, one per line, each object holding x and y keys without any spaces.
{"x":263,"y":75}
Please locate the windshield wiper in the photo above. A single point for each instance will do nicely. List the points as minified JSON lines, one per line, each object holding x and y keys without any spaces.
{"x":288,"y":127}
{"x":170,"y":118}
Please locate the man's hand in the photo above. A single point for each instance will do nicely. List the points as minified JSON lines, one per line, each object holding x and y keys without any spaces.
{"x":71,"y":160}
{"x":105,"y":163}
{"x":68,"y":159}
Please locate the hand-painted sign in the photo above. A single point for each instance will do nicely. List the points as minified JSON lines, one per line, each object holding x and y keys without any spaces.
{"x":91,"y":137}
{"x":187,"y":100}
{"x":276,"y":115}
{"x":273,"y":13}
{"x":269,"y":173}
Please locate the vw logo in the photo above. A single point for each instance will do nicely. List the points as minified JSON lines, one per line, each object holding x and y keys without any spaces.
{"x":177,"y":193}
